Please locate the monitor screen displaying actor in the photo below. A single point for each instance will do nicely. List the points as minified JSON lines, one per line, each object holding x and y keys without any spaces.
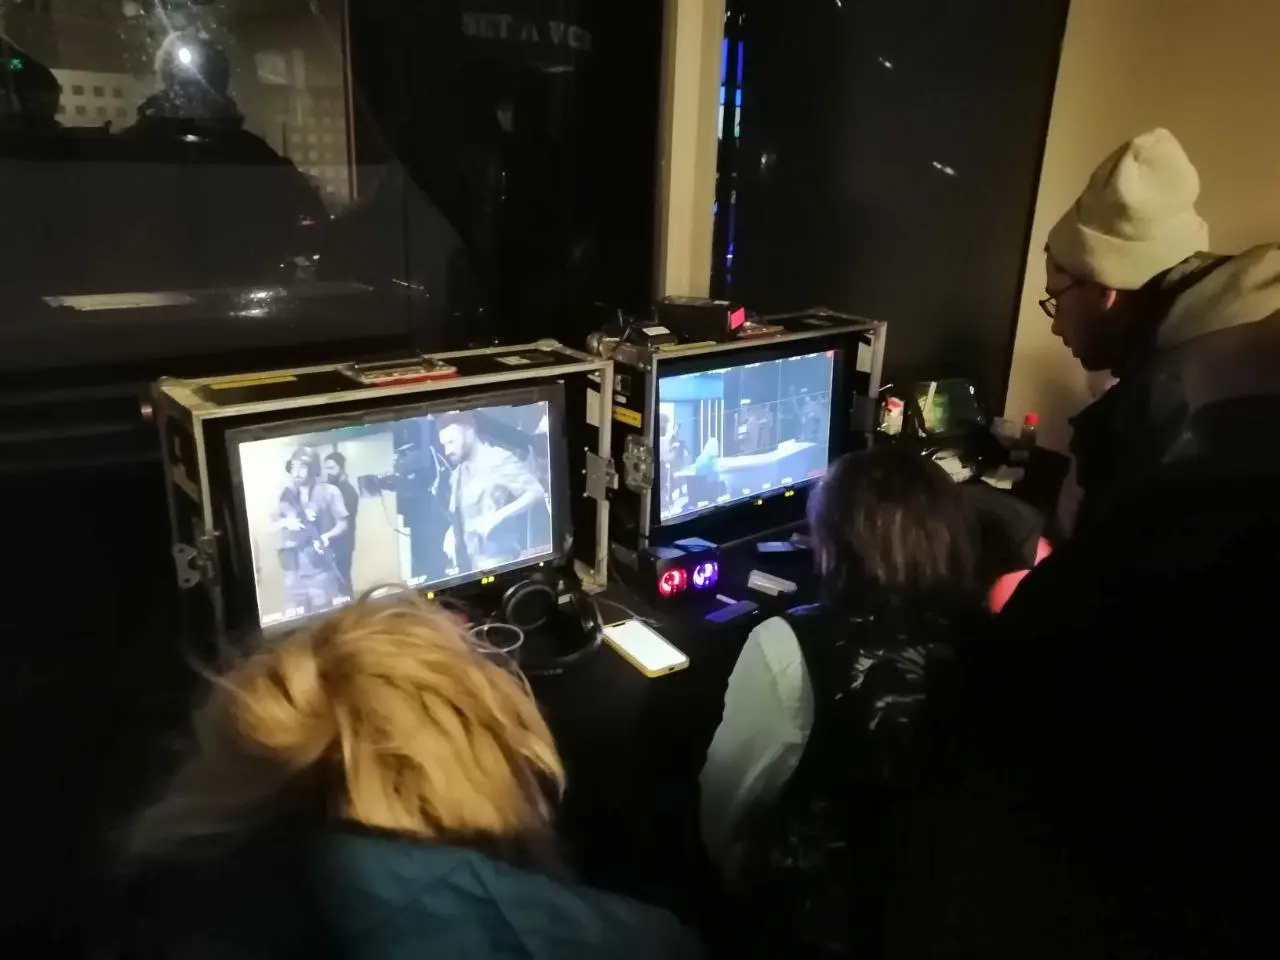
{"x":472,"y":491}
{"x":310,"y":516}
{"x":314,"y":546}
{"x":498,"y":506}
{"x":426,"y":500}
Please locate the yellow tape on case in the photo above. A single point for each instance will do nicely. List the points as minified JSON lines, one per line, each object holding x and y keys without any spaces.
{"x":630,"y":417}
{"x":241,"y":382}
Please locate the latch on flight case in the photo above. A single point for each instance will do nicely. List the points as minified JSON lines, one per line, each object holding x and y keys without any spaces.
{"x":637,"y":464}
{"x":601,"y":476}
{"x":197,"y":564}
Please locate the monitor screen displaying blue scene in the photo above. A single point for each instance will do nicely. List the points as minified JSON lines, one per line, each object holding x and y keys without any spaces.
{"x":742,"y":432}
{"x":428,"y":500}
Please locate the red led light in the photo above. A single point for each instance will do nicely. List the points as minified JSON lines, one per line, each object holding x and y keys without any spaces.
{"x":672,"y":581}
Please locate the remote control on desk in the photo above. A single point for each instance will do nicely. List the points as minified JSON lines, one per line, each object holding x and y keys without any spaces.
{"x":797,"y":544}
{"x":774,"y":548}
{"x":731,"y":612}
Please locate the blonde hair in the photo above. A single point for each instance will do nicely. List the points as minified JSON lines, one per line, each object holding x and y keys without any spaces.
{"x":384,"y":713}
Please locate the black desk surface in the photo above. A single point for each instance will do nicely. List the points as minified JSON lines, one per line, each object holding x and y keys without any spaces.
{"x":680,"y":708}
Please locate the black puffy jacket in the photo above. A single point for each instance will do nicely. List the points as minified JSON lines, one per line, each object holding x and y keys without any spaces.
{"x":823,"y":858}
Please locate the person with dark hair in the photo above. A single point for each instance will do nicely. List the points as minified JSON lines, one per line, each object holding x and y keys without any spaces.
{"x":491,"y":493}
{"x":310,"y":515}
{"x":458,"y":418}
{"x":344,"y":544}
{"x":822,"y":715}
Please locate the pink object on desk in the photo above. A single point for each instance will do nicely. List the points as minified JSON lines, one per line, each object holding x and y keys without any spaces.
{"x":1006,"y":585}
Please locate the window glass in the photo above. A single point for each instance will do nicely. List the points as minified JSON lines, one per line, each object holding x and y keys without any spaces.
{"x":196,"y":187}
{"x":169,"y":194}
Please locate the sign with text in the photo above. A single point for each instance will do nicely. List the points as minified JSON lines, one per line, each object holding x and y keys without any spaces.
{"x":530,"y":31}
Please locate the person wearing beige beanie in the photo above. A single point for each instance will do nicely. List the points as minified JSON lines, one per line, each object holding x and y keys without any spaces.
{"x":1131,"y":290}
{"x":1136,"y":661}
{"x":1135,"y":220}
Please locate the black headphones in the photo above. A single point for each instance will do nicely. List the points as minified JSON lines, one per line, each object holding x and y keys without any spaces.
{"x":535,"y":602}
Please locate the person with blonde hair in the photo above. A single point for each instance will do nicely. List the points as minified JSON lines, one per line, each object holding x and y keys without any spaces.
{"x":372,"y":786}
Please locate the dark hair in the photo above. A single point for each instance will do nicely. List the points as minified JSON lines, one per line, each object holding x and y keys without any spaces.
{"x":890,"y":523}
{"x":337,"y":458}
{"x":458,"y":418}
{"x":309,"y":457}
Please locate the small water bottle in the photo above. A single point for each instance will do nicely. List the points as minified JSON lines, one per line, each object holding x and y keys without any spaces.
{"x":1021,"y":451}
{"x":1029,"y":424}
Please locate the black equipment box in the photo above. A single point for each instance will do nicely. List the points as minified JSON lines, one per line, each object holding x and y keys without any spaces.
{"x":195,"y":418}
{"x":637,"y":470}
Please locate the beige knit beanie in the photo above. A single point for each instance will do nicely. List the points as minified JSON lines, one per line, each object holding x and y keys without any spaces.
{"x":1136,"y":218}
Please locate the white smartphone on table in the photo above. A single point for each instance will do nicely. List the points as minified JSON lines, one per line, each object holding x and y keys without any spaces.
{"x":644,"y":648}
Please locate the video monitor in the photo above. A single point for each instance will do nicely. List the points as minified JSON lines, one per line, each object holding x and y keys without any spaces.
{"x":430,"y":496}
{"x":741,"y":432}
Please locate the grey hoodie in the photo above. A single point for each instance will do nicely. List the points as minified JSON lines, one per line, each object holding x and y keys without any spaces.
{"x":1210,"y":363}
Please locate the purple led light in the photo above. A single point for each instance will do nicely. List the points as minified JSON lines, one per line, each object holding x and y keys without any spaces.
{"x":705,"y":575}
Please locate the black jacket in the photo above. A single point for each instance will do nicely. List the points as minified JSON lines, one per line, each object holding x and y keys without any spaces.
{"x":1117,"y":786}
{"x":824,"y":857}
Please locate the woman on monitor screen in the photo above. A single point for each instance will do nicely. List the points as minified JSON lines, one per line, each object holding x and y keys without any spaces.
{"x":823,"y":717}
{"x":371,"y":786}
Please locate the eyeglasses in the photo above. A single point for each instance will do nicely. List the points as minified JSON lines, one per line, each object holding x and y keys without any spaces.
{"x":1049,"y":304}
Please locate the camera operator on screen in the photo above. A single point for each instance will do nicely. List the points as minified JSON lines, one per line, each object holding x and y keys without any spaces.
{"x":491,"y":496}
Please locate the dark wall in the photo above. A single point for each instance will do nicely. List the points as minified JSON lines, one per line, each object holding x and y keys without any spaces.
{"x":887,"y":166}
{"x":532,"y":124}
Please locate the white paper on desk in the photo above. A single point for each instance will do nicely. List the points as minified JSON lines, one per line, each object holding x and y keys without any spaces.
{"x":951,"y":463}
{"x":1003,"y":477}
